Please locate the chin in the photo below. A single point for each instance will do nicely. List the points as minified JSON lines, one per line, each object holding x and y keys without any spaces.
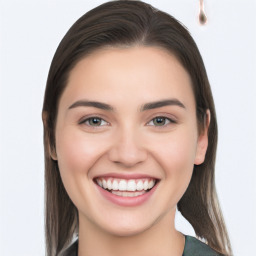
{"x":127,"y":227}
{"x":127,"y":231}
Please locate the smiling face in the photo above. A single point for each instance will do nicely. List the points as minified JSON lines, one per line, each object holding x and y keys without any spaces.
{"x":127,"y":138}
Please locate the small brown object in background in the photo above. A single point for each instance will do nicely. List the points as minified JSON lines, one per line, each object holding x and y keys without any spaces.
{"x":202,"y":15}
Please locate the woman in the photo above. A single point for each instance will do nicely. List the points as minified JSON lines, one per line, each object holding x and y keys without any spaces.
{"x":130,"y":133}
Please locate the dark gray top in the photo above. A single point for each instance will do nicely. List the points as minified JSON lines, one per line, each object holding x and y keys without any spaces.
{"x":193,"y":247}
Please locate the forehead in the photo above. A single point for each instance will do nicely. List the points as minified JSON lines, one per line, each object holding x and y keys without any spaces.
{"x":141,"y":73}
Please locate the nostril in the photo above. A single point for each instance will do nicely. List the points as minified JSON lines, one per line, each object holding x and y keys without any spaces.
{"x":127,"y":148}
{"x":127,"y":157}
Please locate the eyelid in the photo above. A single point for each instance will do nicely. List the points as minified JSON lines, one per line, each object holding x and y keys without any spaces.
{"x":169,"y":116}
{"x":171,"y":120}
{"x":87,"y":118}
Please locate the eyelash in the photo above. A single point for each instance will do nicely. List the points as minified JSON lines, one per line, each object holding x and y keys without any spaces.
{"x":166,"y":119}
{"x":87,"y":120}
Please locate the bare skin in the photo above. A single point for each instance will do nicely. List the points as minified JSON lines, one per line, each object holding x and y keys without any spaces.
{"x":123,"y":136}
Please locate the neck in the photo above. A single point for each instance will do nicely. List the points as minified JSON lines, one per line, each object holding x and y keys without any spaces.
{"x":160,"y":239}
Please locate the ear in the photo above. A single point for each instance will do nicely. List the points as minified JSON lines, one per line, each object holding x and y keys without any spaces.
{"x":52,"y":153}
{"x":202,"y":142}
{"x":51,"y":149}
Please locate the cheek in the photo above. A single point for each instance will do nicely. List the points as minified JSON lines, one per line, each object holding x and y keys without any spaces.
{"x":76,"y":154}
{"x":176,"y":154}
{"x":177,"y":151}
{"x":178,"y":163}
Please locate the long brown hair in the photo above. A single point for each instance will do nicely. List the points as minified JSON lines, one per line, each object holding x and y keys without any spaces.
{"x":119,"y":24}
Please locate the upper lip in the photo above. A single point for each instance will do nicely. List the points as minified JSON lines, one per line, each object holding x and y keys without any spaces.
{"x":126,"y":176}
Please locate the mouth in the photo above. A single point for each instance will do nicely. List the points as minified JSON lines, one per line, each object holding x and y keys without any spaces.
{"x":126,"y":187}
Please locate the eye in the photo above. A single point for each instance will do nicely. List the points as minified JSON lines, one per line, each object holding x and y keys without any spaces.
{"x":160,"y":121}
{"x":94,"y":121}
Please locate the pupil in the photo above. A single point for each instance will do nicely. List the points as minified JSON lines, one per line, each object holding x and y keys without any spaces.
{"x":159,"y":121}
{"x":95,"y":121}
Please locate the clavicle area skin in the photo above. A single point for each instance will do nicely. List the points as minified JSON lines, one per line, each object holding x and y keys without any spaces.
{"x":126,"y":144}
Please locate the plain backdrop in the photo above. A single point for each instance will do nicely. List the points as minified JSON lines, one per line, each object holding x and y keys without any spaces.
{"x":30,"y":31}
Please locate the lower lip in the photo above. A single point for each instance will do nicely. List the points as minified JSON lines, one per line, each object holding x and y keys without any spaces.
{"x":126,"y":201}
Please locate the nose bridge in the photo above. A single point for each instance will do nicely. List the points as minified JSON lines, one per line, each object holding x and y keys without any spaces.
{"x":127,"y":147}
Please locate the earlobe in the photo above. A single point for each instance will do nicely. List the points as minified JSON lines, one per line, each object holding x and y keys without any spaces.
{"x":53,"y":154}
{"x":202,"y":143}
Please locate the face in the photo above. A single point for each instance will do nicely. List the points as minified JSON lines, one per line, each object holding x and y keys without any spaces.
{"x":127,"y":138}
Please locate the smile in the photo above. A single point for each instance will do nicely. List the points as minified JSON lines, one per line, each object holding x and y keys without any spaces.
{"x":126,"y":187}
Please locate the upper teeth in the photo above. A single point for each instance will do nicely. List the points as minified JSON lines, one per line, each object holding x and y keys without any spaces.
{"x":126,"y":185}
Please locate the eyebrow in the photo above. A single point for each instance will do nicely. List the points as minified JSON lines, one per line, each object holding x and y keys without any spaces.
{"x":147,"y":106}
{"x":95,"y":104}
{"x":162,"y":103}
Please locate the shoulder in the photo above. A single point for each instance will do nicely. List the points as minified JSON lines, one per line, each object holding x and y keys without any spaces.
{"x":194,"y":247}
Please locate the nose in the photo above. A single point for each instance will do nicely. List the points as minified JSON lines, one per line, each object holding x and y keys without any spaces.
{"x":127,"y":149}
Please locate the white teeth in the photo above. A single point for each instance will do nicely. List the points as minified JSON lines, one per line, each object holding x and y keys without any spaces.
{"x":125,"y":194}
{"x":145,"y":185}
{"x":99,"y":182}
{"x":109,"y":184}
{"x":122,"y":185}
{"x":118,"y":193}
{"x":131,"y":186}
{"x":126,"y":185}
{"x":115,"y":185}
{"x":151,"y":184}
{"x":104,"y":183}
{"x":140,"y":185}
{"x":128,"y":194}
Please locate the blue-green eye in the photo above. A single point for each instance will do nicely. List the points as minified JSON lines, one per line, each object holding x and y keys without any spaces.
{"x":94,"y":121}
{"x":160,"y":121}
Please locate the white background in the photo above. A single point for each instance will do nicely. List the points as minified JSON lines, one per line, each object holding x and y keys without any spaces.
{"x":30,"y":31}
